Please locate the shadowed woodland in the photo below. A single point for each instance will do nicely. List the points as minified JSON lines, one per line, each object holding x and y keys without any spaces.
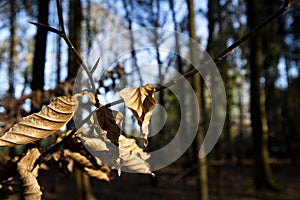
{"x":49,"y":151}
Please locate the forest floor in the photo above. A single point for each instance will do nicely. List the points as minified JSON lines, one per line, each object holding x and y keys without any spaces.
{"x":227,"y":182}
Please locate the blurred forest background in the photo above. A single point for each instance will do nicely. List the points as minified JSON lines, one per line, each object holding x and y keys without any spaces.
{"x":257,"y":154}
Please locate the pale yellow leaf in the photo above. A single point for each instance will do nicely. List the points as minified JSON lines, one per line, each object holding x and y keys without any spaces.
{"x":141,"y":102}
{"x":77,"y":157}
{"x":101,"y":174}
{"x":102,"y":149}
{"x":31,"y":188}
{"x":42,"y":124}
{"x":133,"y":158}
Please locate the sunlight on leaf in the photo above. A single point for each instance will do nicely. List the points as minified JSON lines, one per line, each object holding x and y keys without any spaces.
{"x":31,"y":188}
{"x":133,"y":158}
{"x":42,"y":124}
{"x":141,"y":102}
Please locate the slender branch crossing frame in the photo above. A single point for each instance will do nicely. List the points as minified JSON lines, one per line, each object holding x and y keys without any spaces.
{"x":286,"y":6}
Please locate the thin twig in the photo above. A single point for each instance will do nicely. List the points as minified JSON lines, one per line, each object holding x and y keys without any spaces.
{"x":113,"y":103}
{"x":58,"y":32}
{"x":63,"y":34}
{"x":71,"y":46}
{"x":230,"y":49}
{"x":287,"y":5}
{"x":60,"y":16}
{"x":95,"y":65}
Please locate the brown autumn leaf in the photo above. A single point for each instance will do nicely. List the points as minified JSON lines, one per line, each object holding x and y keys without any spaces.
{"x":127,"y":156}
{"x":133,"y":158}
{"x":83,"y":163}
{"x":108,"y":120}
{"x":103,"y":150}
{"x":59,"y":161}
{"x":141,"y":102}
{"x":95,"y":140}
{"x":42,"y":124}
{"x":31,"y":188}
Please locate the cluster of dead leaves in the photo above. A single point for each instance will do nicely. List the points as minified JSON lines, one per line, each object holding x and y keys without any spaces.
{"x":95,"y":149}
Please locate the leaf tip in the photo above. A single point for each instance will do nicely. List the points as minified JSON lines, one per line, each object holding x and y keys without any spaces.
{"x":145,"y":142}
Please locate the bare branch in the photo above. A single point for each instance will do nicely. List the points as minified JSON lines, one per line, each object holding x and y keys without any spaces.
{"x":60,"y":16}
{"x":63,"y":34}
{"x":48,"y":28}
{"x":287,"y":5}
{"x":114,"y":103}
{"x":95,"y":66}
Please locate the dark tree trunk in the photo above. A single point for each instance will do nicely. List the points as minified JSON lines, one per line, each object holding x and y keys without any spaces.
{"x":177,"y":44}
{"x":75,"y":18}
{"x":84,"y":191}
{"x":128,"y":7}
{"x":12,"y":54}
{"x":39,"y":59}
{"x":58,"y":58}
{"x":262,"y":171}
{"x":88,"y":27}
{"x":158,"y":56}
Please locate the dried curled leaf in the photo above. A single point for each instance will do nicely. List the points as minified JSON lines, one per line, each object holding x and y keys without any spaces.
{"x":102,"y":149}
{"x":141,"y":102}
{"x":59,"y":161}
{"x":43,"y":123}
{"x":108,"y":120}
{"x":84,"y":164}
{"x":31,"y":188}
{"x":95,"y":140}
{"x":133,"y":158}
{"x":128,"y":156}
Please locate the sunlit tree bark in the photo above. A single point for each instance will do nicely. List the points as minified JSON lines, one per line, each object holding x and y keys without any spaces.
{"x":202,"y":179}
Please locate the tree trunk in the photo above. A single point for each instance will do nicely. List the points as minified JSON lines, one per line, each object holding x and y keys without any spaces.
{"x":262,"y":171}
{"x":84,"y":191}
{"x":12,"y":54}
{"x":58,"y":58}
{"x":180,"y":68}
{"x":39,"y":58}
{"x":75,"y":18}
{"x":291,"y":107}
{"x":240,"y":145}
{"x":177,"y":44}
{"x":158,"y":56}
{"x":88,"y":27}
{"x":202,"y":179}
{"x":128,"y":7}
